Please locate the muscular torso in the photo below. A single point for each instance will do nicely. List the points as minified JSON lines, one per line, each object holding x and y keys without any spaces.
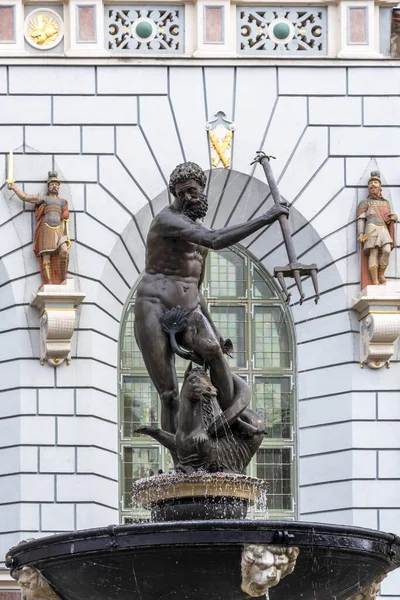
{"x":174,"y":268}
{"x":52,"y":218}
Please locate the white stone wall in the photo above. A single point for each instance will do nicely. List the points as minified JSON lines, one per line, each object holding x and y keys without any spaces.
{"x":115,"y":133}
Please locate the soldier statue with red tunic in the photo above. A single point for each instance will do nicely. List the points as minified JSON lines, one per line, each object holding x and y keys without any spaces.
{"x":376,"y":233}
{"x":51,"y":243}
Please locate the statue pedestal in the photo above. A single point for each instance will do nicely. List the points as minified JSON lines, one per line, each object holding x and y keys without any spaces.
{"x":379,"y":310}
{"x":57,"y":311}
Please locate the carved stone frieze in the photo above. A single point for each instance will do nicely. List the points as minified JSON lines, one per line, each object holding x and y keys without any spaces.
{"x":57,"y":314}
{"x":263,"y":566}
{"x":379,"y":309}
{"x":33,"y":584}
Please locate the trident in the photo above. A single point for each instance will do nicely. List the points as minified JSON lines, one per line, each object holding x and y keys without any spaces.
{"x":294,"y":268}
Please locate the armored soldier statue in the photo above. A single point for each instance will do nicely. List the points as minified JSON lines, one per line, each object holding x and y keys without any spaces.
{"x":51,"y":243}
{"x":376,"y":233}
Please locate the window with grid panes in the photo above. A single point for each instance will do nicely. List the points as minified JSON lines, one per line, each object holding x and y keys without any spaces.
{"x":246,"y":307}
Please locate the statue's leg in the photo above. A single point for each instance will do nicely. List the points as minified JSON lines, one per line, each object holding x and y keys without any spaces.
{"x":201,"y":339}
{"x":373,"y":265}
{"x":383,"y":262}
{"x":159,"y":360}
{"x":46,"y":268}
{"x":64,"y":259}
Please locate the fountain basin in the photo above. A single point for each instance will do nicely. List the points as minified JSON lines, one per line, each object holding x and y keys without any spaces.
{"x":201,"y":559}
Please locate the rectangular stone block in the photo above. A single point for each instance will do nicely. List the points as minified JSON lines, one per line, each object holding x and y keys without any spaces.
{"x":362,"y":81}
{"x":32,"y":167}
{"x":314,"y":81}
{"x":11,"y":138}
{"x":379,"y":434}
{"x":325,"y":352}
{"x":98,"y":140}
{"x":381,"y":111}
{"x":353,"y":464}
{"x":335,"y":111}
{"x":37,"y":488}
{"x":93,"y":402}
{"x":19,"y":516}
{"x":58,"y":517}
{"x":57,"y":460}
{"x":344,"y":407}
{"x":87,"y":488}
{"x":329,"y":496}
{"x":389,"y":464}
{"x":62,"y":80}
{"x":25,"y":109}
{"x":132,"y":79}
{"x":381,"y":493}
{"x":389,"y":406}
{"x":365,"y":141}
{"x":357,"y":173}
{"x":93,"y":515}
{"x":37,"y":430}
{"x":96,"y":110}
{"x":329,"y":438}
{"x":390,"y":520}
{"x":86,"y":431}
{"x":100,"y":347}
{"x":77,"y":168}
{"x":16,"y":459}
{"x":56,"y":402}
{"x":54,"y":139}
{"x":101,"y":462}
{"x":16,"y":402}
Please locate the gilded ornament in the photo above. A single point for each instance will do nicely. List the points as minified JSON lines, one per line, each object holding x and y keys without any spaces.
{"x":220,"y":132}
{"x":44,"y":29}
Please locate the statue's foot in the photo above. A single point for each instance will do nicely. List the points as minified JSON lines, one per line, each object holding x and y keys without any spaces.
{"x":381,"y":274}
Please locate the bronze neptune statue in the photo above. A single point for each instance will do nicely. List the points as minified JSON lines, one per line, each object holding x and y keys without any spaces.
{"x":170,"y":306}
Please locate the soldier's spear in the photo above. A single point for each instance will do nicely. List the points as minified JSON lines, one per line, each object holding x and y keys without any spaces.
{"x":294,"y":268}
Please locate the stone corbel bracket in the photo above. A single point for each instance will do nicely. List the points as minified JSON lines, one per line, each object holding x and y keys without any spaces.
{"x":57,"y":314}
{"x":264,"y":565}
{"x":379,"y":316}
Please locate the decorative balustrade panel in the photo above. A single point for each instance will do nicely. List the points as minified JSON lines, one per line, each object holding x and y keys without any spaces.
{"x":140,"y":29}
{"x":282,"y":31}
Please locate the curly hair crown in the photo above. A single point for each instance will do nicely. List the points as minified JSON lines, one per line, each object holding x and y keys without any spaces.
{"x":184,"y":172}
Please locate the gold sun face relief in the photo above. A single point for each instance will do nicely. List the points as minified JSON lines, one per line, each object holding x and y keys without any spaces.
{"x":44,"y":29}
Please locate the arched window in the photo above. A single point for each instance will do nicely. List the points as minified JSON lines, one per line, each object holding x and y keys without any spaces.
{"x":246,"y":307}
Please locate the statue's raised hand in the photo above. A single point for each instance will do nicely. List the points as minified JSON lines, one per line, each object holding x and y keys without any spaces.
{"x":11,"y":186}
{"x":276,"y":211}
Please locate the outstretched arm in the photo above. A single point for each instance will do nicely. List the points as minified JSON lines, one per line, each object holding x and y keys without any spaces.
{"x":32,"y":198}
{"x":197,"y":233}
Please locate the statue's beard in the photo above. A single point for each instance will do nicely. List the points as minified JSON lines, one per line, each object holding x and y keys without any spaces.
{"x":375,"y":195}
{"x":195,"y":208}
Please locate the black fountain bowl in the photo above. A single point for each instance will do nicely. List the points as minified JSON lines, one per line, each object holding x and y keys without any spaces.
{"x":201,"y":559}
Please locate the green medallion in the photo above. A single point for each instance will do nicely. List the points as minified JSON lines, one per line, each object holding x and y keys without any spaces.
{"x":281,"y":30}
{"x":144,"y":29}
